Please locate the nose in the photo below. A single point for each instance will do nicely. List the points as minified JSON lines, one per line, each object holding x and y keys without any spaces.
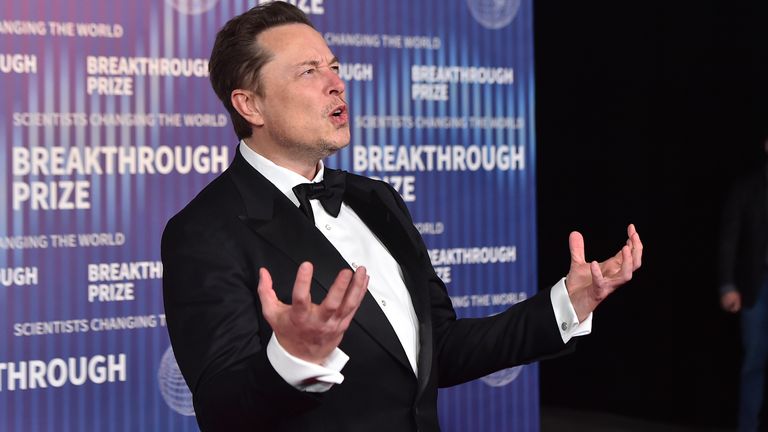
{"x":336,"y":85}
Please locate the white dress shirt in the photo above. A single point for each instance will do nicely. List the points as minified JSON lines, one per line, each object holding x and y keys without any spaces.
{"x":360,"y":247}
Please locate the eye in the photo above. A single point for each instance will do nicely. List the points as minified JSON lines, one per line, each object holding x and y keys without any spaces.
{"x":309,"y":71}
{"x":336,"y":69}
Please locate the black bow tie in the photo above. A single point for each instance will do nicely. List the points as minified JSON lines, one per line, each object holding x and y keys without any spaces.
{"x":330,"y":192}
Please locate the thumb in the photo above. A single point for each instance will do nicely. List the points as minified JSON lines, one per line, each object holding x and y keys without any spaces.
{"x":576,"y":246}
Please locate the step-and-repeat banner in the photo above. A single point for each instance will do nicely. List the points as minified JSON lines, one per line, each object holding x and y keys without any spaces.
{"x":108,"y":126}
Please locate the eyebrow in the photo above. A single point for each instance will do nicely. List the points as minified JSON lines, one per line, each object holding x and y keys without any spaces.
{"x":316,"y":63}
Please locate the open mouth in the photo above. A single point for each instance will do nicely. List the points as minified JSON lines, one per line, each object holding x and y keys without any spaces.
{"x":338,"y":112}
{"x":339,"y":115}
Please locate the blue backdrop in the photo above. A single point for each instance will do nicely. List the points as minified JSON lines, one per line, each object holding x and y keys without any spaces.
{"x":108,"y":127}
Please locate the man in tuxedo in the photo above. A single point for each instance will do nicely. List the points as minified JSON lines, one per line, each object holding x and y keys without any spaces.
{"x":302,"y":298}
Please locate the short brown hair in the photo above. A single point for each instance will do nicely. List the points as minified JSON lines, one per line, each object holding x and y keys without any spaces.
{"x":236,"y":58}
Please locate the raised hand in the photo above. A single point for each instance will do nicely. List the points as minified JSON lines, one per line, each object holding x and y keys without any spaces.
{"x":307,"y":330}
{"x":590,"y":283}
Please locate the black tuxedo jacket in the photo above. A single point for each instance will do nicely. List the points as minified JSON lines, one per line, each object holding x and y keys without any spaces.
{"x":744,"y":236}
{"x":212,"y":251}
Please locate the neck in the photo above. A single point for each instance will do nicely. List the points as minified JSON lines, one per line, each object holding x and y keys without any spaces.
{"x":305,"y":168}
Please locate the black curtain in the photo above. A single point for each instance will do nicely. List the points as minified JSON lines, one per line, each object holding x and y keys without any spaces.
{"x":645,"y":112}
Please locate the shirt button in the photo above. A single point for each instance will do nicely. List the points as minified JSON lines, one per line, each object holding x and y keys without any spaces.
{"x":564,"y":326}
{"x":355,"y":265}
{"x":328,"y":227}
{"x":384,"y":303}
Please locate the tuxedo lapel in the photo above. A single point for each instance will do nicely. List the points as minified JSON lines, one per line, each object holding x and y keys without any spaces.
{"x":389,"y":227}
{"x":272,"y":216}
{"x":376,"y":207}
{"x":292,"y":233}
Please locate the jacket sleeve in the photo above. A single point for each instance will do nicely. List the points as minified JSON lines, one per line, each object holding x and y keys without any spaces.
{"x":470,"y":348}
{"x":217,"y":330}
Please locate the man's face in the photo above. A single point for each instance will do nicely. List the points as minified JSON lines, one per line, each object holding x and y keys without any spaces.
{"x":302,"y":97}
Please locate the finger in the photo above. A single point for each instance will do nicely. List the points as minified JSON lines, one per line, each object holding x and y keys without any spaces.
{"x":267,"y":296}
{"x":335,"y":296}
{"x":637,"y":250}
{"x":300,"y":299}
{"x":597,"y":275}
{"x":626,"y":264}
{"x":357,"y":287}
{"x":618,"y":256}
{"x":357,"y":301}
{"x":631,"y":230}
{"x":576,"y":246}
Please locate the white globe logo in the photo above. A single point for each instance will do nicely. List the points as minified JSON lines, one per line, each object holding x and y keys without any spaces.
{"x":494,"y":14}
{"x":192,"y":7}
{"x":502,"y":377}
{"x":172,"y":385}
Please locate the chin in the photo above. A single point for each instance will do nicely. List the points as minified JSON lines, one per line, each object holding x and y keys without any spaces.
{"x":330,"y":149}
{"x":339,"y":143}
{"x":343,"y":143}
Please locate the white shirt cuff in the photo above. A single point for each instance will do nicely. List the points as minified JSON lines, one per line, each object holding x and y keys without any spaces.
{"x":303,"y":375}
{"x":565,"y":315}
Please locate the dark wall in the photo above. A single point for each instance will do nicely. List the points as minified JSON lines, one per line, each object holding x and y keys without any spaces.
{"x":646,"y":110}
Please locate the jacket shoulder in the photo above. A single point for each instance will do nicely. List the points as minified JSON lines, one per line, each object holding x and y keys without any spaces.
{"x":217,"y":201}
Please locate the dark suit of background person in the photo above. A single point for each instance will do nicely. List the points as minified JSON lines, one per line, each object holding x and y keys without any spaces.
{"x":744,"y":282}
{"x":228,"y":318}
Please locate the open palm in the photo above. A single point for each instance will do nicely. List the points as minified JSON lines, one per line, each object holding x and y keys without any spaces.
{"x":589,"y":283}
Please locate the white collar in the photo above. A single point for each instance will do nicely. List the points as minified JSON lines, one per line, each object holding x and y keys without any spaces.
{"x":283,"y":178}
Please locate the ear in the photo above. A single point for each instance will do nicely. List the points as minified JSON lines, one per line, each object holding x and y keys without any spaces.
{"x":248,"y":105}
